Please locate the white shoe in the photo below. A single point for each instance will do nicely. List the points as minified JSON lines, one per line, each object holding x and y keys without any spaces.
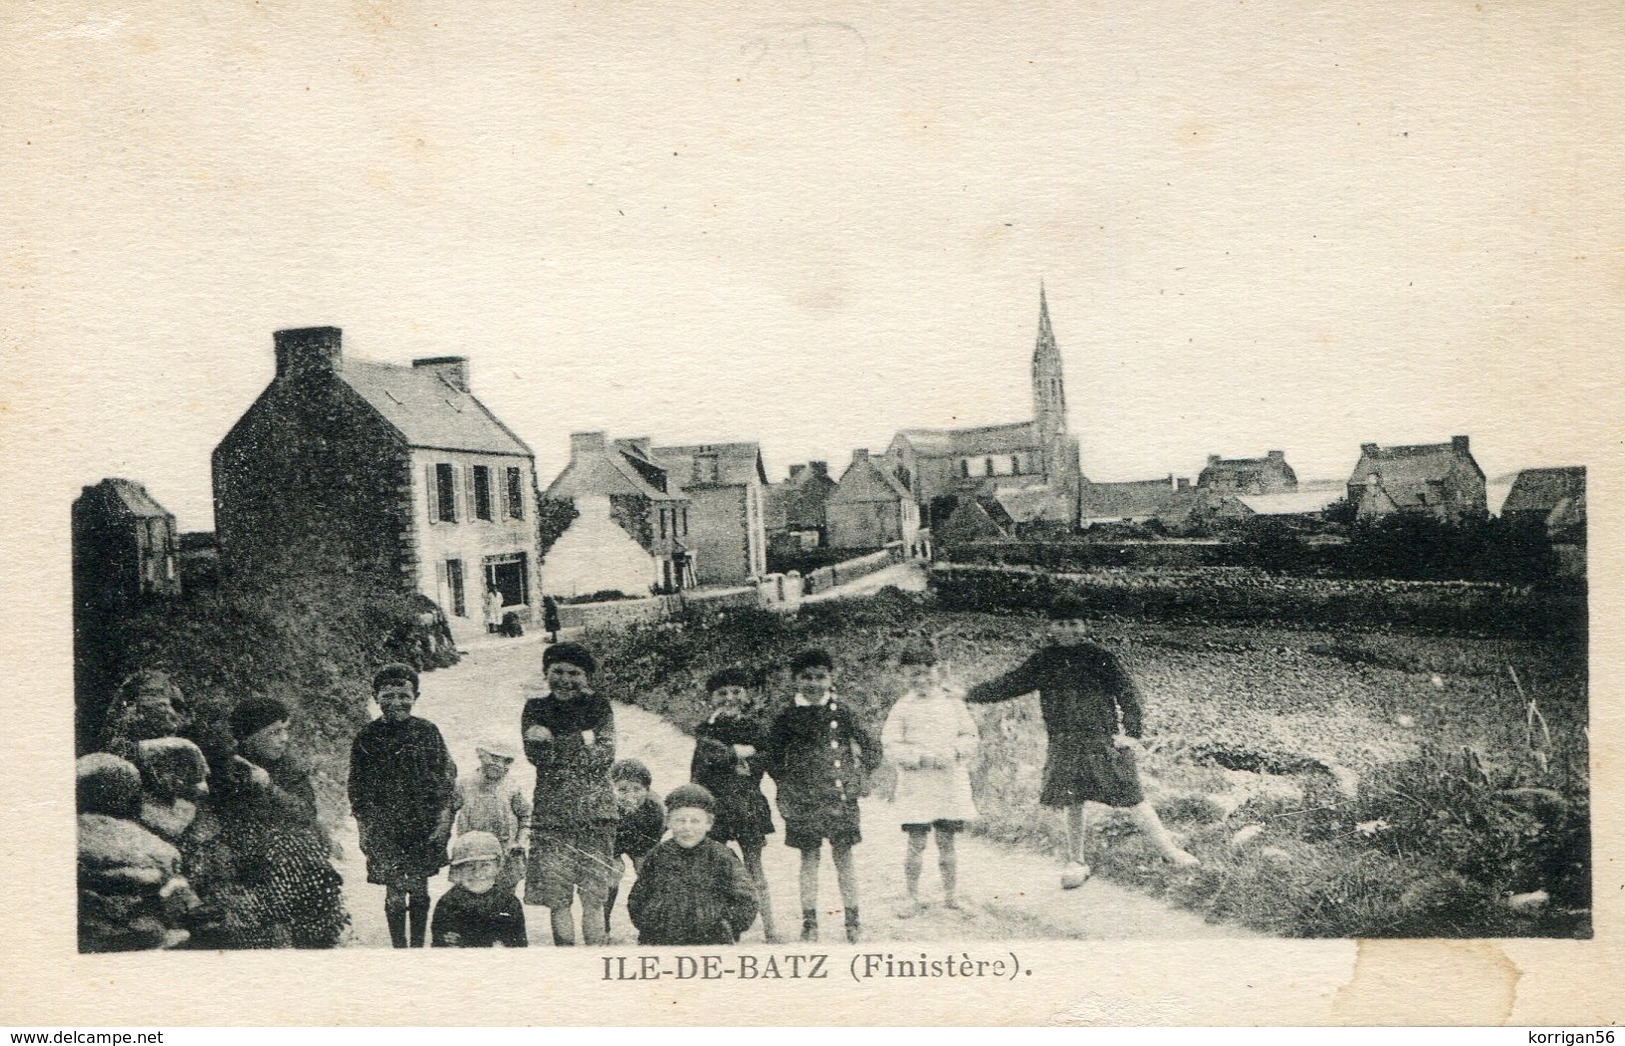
{"x":1074,"y":875}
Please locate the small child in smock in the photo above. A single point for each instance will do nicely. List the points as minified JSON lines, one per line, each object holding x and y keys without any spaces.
{"x":931,"y":738}
{"x":490,"y":800}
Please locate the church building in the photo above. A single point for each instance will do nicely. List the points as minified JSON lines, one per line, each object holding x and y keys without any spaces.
{"x":1039,"y":457}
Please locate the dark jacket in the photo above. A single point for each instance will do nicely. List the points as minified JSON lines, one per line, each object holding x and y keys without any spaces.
{"x":692,"y":896}
{"x":637,"y":833}
{"x":401,"y":777}
{"x":572,"y":777}
{"x":478,"y":920}
{"x":1083,"y":690}
{"x":820,"y":757}
{"x":742,"y":811}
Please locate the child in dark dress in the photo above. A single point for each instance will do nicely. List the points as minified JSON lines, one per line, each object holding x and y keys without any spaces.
{"x":1091,"y":710}
{"x":401,"y":781}
{"x":642,"y":822}
{"x":693,"y":890}
{"x":479,"y":911}
{"x":820,"y":755}
{"x":729,"y":761}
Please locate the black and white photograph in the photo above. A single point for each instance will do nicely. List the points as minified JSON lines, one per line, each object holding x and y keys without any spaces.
{"x":929,"y":493}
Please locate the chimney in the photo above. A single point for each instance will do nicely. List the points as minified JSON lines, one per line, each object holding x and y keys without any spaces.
{"x":454,"y":369}
{"x":1458,"y":444}
{"x":1212,"y":459}
{"x":585,"y":443}
{"x":308,"y":350}
{"x":1277,"y":455}
{"x":796,"y":471}
{"x":1368,"y":449}
{"x":861,"y":454}
{"x":819,"y":468}
{"x":642,"y":444}
{"x":1184,"y":483}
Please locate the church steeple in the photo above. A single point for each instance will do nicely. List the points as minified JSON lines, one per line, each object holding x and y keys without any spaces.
{"x":1049,"y":386}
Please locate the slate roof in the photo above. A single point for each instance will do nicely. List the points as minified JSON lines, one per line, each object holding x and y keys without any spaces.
{"x":133,"y":498}
{"x":1135,"y":498}
{"x":986,"y":439}
{"x":893,"y":486}
{"x":1542,"y":490}
{"x":1415,"y":465}
{"x":604,"y":471}
{"x":737,"y":463}
{"x":1023,"y":504}
{"x":428,"y":410}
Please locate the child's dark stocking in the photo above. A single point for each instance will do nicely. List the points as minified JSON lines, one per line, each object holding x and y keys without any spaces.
{"x":764,"y":902}
{"x":417,"y":913}
{"x":846,"y":874}
{"x":395,"y":915}
{"x":609,"y":906}
{"x":809,"y":893}
{"x":948,"y":864}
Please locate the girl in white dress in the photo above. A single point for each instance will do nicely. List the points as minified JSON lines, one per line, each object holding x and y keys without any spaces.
{"x":931,"y":738}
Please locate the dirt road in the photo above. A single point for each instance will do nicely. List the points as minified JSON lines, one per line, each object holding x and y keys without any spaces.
{"x":1005,"y":893}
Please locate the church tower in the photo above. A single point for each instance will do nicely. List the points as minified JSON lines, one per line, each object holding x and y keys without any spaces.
{"x":1049,"y":386}
{"x":1062,"y":467}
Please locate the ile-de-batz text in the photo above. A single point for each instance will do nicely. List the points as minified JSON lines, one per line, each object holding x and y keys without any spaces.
{"x":807,"y":966}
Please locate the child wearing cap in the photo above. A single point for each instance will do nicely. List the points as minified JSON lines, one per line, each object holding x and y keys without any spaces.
{"x":930,"y":737}
{"x":569,"y":735}
{"x":642,"y":822}
{"x":728,"y":761}
{"x":488,"y":799}
{"x":693,"y":890}
{"x":401,"y":782}
{"x":820,"y":755}
{"x":477,"y":912}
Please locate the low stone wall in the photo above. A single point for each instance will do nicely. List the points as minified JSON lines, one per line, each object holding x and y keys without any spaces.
{"x":616,"y":612}
{"x":825,"y":578}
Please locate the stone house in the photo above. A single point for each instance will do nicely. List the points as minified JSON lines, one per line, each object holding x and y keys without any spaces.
{"x":974,"y":518}
{"x":870,"y":507}
{"x":937,"y":465}
{"x":1267,"y":475}
{"x":1551,"y":499}
{"x":394,"y":474}
{"x":1171,"y":503}
{"x":1440,"y":480}
{"x":125,"y":554}
{"x":793,"y":509}
{"x":631,"y":531}
{"x":725,"y":484}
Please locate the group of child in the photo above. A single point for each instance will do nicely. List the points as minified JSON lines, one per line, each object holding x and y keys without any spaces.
{"x":589,"y":811}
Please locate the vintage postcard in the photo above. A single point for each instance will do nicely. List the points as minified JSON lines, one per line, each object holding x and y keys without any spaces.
{"x":809,"y":514}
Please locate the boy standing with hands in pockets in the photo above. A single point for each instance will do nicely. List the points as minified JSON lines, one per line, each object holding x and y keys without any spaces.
{"x":569,"y":735}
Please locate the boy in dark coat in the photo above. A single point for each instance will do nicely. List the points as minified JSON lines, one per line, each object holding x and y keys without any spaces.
{"x":820,"y":755}
{"x":1091,"y":710}
{"x":693,"y":890}
{"x":479,"y":911}
{"x":729,"y":759}
{"x":401,"y":781}
{"x":641,"y":824}
{"x":569,"y":736}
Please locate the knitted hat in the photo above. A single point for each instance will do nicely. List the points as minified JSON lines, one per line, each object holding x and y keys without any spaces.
{"x":106,"y":784}
{"x":732,"y":676}
{"x":255,"y":714}
{"x":691,"y":796}
{"x":570,"y":654}
{"x":919,"y":653}
{"x":395,"y":673}
{"x":631,"y":770}
{"x":475,"y":846}
{"x":172,"y":767}
{"x":497,"y":747}
{"x":811,"y":659}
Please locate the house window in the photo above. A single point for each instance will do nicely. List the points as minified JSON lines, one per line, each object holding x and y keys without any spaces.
{"x":662,"y":513}
{"x":685,"y":521}
{"x":705,"y":468}
{"x":445,"y":477}
{"x":454,"y":584}
{"x":516,"y":493}
{"x":987,"y":467}
{"x":964,"y":467}
{"x":508,"y":575}
{"x":1015,"y":465}
{"x":482,"y":492}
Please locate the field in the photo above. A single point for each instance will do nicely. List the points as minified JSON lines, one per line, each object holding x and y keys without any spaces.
{"x":1335,"y":783}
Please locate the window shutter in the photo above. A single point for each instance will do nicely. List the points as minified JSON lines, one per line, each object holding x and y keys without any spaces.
{"x":433,"y":495}
{"x":469,"y":514}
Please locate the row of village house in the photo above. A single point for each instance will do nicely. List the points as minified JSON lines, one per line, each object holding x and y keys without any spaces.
{"x":401,"y":472}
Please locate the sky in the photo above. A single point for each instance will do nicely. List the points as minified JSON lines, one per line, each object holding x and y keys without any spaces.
{"x":1259,"y":225}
